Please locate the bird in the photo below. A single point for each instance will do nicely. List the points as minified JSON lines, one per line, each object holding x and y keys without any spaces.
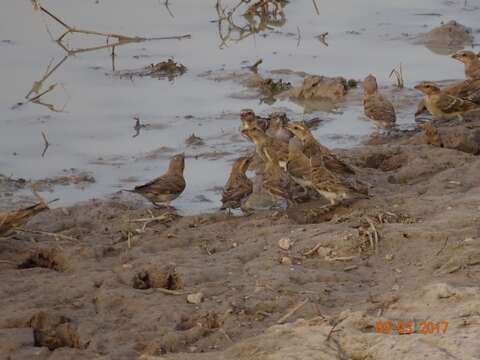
{"x":10,"y":220}
{"x":167,"y":187}
{"x":311,"y":173}
{"x":331,"y":186}
{"x":277,"y":183}
{"x":277,"y":127}
{"x":298,"y":164}
{"x":376,"y":107}
{"x":268,"y":148}
{"x":471,"y":63}
{"x":248,"y":120}
{"x":313,"y":149}
{"x":465,"y":89}
{"x":442,"y":105}
{"x":238,"y":186}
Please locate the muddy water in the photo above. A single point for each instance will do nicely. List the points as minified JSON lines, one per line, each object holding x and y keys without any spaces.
{"x":94,"y":132}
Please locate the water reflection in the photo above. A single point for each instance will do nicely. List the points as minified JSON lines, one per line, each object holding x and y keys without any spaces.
{"x":119,"y":40}
{"x":244,"y":19}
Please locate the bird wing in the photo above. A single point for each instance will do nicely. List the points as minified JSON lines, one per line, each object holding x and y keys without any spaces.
{"x":467,"y":89}
{"x":320,"y":154}
{"x":236,"y":189}
{"x":450,"y":104}
{"x":166,"y":184}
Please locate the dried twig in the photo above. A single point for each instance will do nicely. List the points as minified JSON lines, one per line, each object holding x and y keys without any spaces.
{"x":292,"y":311}
{"x":299,"y":36}
{"x":55,"y":235}
{"x":398,"y":73}
{"x":443,"y":247}
{"x":312,"y":250}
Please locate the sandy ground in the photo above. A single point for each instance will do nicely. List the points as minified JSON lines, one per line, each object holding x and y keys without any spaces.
{"x":109,"y":288}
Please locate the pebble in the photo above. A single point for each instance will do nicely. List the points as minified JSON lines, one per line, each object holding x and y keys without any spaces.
{"x":284,"y":243}
{"x":196,"y":298}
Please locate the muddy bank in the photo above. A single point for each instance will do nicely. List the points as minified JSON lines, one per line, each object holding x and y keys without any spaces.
{"x":111,"y":279}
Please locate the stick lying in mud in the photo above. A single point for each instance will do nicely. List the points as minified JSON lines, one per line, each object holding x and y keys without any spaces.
{"x":292,"y":311}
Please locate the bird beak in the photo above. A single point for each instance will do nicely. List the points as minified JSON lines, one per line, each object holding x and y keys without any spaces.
{"x":418,"y":87}
{"x":455,"y":56}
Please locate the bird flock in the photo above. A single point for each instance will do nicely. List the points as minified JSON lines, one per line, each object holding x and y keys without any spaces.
{"x":296,"y":165}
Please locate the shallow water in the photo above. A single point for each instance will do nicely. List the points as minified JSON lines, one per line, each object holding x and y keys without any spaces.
{"x":94,"y":132}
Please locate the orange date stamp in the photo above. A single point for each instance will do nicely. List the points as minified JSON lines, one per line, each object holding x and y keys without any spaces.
{"x":410,"y":327}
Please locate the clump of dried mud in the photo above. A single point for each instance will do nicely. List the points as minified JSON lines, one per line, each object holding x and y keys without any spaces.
{"x":100,"y":280}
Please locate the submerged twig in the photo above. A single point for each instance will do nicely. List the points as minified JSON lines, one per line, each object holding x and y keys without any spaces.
{"x":316,"y":7}
{"x":47,"y":144}
{"x":255,"y":66}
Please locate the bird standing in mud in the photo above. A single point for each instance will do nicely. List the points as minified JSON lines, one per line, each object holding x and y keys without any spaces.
{"x":313,"y":149}
{"x":376,"y":107}
{"x":311,"y":173}
{"x":238,"y":186}
{"x":442,"y":105}
{"x":167,"y":187}
{"x":471,"y":63}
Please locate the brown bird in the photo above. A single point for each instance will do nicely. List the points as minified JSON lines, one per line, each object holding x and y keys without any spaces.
{"x":277,"y":127}
{"x":376,"y":107}
{"x":238,"y":186}
{"x":298,"y":165}
{"x":311,"y":173}
{"x":277,"y":183}
{"x":313,"y":149}
{"x":269,"y":149}
{"x":249,"y":120}
{"x":471,"y":63}
{"x":167,"y":187}
{"x":442,"y":105}
{"x":333,"y":187}
{"x":466,"y":90}
{"x":9,"y":220}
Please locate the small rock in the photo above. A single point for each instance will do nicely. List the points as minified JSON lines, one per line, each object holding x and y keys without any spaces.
{"x":284,"y":243}
{"x":395,"y":287}
{"x":324,"y":251}
{"x":196,"y":298}
{"x":389,"y":257}
{"x":286,"y":260}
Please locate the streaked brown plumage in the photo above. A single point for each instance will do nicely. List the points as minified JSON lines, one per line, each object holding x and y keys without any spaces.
{"x":167,"y":187}
{"x":442,"y":105}
{"x":471,"y":63}
{"x":238,"y":186}
{"x":9,"y":220}
{"x":277,"y":183}
{"x":277,"y":127}
{"x":312,"y":173}
{"x":269,"y":149}
{"x":298,"y":165}
{"x":466,"y":90}
{"x":313,"y":149}
{"x":376,"y":107}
